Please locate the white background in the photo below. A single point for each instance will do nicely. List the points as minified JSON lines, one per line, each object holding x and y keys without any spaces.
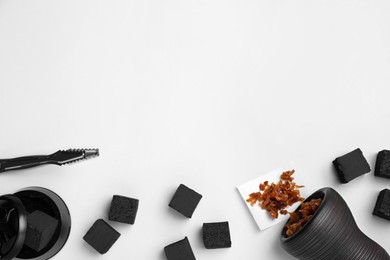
{"x":206,"y":93}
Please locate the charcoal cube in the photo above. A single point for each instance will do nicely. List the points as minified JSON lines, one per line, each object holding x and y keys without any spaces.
{"x":180,"y":250}
{"x":382,"y":206}
{"x":351,"y":165}
{"x":185,"y":200}
{"x":123,"y":209}
{"x":101,"y":236}
{"x":40,"y":230}
{"x":382,"y":166}
{"x":216,"y":235}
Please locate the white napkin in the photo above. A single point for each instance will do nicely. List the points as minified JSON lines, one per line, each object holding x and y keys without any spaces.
{"x":261,"y":216}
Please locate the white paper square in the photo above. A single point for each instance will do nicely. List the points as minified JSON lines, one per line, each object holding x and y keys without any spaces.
{"x":261,"y":216}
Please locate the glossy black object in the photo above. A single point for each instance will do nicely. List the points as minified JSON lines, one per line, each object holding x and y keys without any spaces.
{"x":332,"y":233}
{"x":58,"y":158}
{"x":14,"y":209}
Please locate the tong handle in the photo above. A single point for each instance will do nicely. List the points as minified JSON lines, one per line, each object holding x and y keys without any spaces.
{"x":25,"y":162}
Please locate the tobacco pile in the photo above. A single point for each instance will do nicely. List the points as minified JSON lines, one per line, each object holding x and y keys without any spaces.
{"x":276,"y":197}
{"x":300,"y":218}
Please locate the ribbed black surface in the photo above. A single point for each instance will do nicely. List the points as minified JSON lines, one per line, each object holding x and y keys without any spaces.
{"x":332,"y":233}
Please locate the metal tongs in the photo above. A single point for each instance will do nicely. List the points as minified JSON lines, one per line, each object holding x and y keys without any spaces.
{"x":60,"y":157}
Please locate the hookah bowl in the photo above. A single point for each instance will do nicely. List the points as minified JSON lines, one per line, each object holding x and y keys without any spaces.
{"x":14,"y":209}
{"x":331,"y":233}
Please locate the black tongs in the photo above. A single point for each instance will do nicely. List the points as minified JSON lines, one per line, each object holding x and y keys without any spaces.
{"x":58,"y":158}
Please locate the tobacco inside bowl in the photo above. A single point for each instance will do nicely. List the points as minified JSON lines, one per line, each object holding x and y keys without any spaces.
{"x":300,"y":217}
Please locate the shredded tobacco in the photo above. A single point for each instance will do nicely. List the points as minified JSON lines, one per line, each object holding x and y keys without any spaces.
{"x":276,"y":197}
{"x":302,"y":216}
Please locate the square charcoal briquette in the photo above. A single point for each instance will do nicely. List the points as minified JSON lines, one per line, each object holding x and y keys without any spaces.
{"x":351,"y":165}
{"x":101,"y":236}
{"x":40,"y":230}
{"x":382,"y":206}
{"x":123,"y":209}
{"x":382,"y":166}
{"x":180,"y":250}
{"x":216,"y":235}
{"x":185,"y":200}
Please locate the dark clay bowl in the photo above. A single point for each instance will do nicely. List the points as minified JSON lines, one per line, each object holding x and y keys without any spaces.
{"x":332,"y":233}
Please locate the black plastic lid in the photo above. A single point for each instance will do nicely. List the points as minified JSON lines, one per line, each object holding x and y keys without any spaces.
{"x":13,"y":226}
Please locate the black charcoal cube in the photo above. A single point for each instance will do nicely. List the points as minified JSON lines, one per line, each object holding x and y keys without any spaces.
{"x":185,"y":200}
{"x":40,"y":230}
{"x":382,"y":206}
{"x":181,"y":250}
{"x":123,"y":209}
{"x":351,"y":165}
{"x":382,"y":166}
{"x":216,"y":235}
{"x":101,"y":236}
